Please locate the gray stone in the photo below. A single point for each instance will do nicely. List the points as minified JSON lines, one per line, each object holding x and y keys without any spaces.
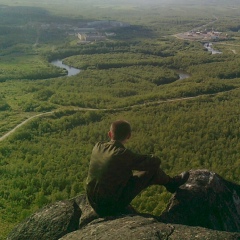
{"x":139,"y":227}
{"x":51,"y":222}
{"x":206,"y":200}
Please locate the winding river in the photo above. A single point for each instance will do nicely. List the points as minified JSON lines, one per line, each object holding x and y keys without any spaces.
{"x":71,"y":70}
{"x":74,"y":71}
{"x":182,"y":75}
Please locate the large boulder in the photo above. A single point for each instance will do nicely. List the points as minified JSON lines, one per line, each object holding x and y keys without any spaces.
{"x":51,"y":222}
{"x":206,"y":207}
{"x":206,"y":200}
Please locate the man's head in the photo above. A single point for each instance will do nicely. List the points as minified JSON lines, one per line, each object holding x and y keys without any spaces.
{"x":120,"y":130}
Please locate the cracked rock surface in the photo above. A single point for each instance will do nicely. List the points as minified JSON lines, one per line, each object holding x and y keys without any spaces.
{"x":138,"y":227}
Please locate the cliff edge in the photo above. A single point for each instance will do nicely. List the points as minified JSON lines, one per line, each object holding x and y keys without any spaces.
{"x":206,"y":207}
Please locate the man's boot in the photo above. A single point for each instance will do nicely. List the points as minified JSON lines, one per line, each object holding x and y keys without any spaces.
{"x":175,"y":182}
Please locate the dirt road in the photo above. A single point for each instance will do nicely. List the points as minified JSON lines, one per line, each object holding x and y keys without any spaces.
{"x":94,"y":109}
{"x":21,"y":124}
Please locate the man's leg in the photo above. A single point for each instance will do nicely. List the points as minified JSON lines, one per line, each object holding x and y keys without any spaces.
{"x":140,"y":181}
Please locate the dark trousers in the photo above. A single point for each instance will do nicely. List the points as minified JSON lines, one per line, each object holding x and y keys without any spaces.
{"x":138,"y":182}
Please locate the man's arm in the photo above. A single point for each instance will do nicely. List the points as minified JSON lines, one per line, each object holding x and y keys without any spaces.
{"x":142,"y":162}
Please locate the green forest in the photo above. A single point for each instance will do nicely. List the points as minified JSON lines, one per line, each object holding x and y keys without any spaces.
{"x":49,"y":122}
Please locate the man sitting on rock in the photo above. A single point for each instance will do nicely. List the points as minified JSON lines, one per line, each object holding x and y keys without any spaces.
{"x":117,"y":175}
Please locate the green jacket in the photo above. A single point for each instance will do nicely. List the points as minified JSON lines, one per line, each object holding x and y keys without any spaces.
{"x":111,"y":167}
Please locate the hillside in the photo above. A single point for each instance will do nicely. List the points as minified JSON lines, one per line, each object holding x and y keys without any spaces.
{"x":189,"y":123}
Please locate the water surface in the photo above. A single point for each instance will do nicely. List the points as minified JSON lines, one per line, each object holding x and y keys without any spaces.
{"x":71,"y":70}
{"x":209,"y":47}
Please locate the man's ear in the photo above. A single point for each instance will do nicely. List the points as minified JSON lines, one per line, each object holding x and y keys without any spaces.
{"x":110,"y":134}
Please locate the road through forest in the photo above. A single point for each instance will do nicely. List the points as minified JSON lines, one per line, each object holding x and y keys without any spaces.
{"x":154,"y":103}
{"x":21,"y":124}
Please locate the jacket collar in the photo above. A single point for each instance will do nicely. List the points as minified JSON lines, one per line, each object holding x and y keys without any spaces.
{"x":117,"y":143}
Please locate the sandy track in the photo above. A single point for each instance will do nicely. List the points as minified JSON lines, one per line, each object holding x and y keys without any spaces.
{"x":21,"y":124}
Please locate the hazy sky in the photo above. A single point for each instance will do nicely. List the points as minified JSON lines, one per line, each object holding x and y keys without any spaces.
{"x":199,"y":2}
{"x":122,"y":2}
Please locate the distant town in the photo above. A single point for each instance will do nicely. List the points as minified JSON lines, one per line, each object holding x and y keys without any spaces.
{"x":98,"y":31}
{"x":86,"y":32}
{"x":206,"y":35}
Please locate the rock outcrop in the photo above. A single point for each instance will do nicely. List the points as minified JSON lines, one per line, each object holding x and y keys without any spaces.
{"x":206,"y":200}
{"x":206,"y":207}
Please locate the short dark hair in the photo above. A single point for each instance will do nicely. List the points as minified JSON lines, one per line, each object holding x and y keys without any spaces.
{"x":120,"y":129}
